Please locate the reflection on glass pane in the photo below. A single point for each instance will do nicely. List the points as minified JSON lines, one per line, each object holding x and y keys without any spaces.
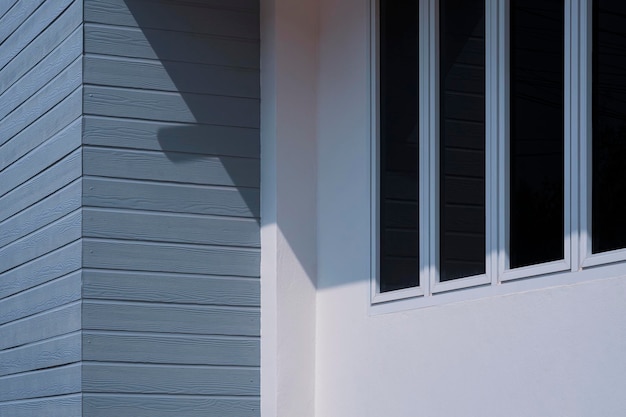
{"x":537,"y":132}
{"x":608,"y":189}
{"x":462,"y":138}
{"x":399,"y":234}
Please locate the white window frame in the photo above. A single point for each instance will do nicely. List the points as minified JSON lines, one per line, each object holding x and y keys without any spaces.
{"x":579,"y":264}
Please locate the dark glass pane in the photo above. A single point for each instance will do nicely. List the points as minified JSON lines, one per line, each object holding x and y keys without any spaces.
{"x":537,"y":132}
{"x":608,"y":227}
{"x":462,"y":140}
{"x":399,"y":234}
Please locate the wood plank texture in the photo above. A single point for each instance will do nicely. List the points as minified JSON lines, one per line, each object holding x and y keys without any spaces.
{"x":182,"y":77}
{"x":184,"y":168}
{"x":15,"y":16}
{"x":45,"y":383}
{"x":176,"y":379}
{"x":103,"y":405}
{"x":171,"y":137}
{"x":50,"y":152}
{"x":169,"y":257}
{"x":46,"y":41}
{"x":42,"y":326}
{"x":42,"y":129}
{"x":39,"y":187}
{"x":41,"y":298}
{"x":43,"y":269}
{"x":170,"y":349}
{"x":172,"y":107}
{"x":170,"y":288}
{"x":166,"y":227}
{"x":175,"y":16}
{"x":60,"y":406}
{"x":183,"y":319}
{"x":58,"y":351}
{"x":177,"y":198}
{"x":201,"y":49}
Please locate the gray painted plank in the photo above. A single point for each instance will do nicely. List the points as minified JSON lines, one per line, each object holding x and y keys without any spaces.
{"x":61,"y":406}
{"x":37,"y":77}
{"x":47,"y":296}
{"x":170,"y":349}
{"x":111,"y":193}
{"x":45,"y":42}
{"x":176,"y":228}
{"x":169,"y":257}
{"x":46,"y":268}
{"x":44,"y":212}
{"x":172,"y":288}
{"x":168,"y":15}
{"x":180,"y":167}
{"x":102,"y":405}
{"x":45,"y":383}
{"x":43,"y":128}
{"x":171,"y":137}
{"x":51,"y":237}
{"x":42,"y":157}
{"x":42,"y":185}
{"x":5,"y":6}
{"x":170,"y":318}
{"x":15,"y":16}
{"x":62,"y":320}
{"x":171,"y":76}
{"x":58,"y":351}
{"x":56,"y":90}
{"x":171,"y":107}
{"x":177,"y":379}
{"x":171,"y":46}
{"x":41,"y":18}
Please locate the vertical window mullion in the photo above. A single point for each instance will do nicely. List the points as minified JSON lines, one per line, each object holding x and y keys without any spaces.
{"x":574,"y":122}
{"x":584,"y":158}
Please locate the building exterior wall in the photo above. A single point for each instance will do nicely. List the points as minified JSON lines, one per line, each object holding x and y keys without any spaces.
{"x":129,"y":208}
{"x":40,"y":216}
{"x":548,"y":351}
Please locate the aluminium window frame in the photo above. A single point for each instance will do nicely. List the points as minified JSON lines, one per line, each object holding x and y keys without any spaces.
{"x":578,"y":264}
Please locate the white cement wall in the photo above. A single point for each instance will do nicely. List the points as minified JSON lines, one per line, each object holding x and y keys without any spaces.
{"x":558,"y":351}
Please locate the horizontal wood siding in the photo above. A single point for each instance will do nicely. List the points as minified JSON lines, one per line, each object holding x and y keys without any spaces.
{"x":171,"y":245}
{"x":41,"y":48}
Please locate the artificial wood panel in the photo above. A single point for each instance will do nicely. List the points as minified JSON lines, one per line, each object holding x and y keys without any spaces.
{"x":60,"y":406}
{"x":169,"y":379}
{"x":44,"y":297}
{"x":184,"y":168}
{"x":201,"y":49}
{"x":171,"y":138}
{"x":6,"y":6}
{"x":201,"y":17}
{"x":46,"y":41}
{"x":171,"y":107}
{"x":178,"y":198}
{"x":45,"y":383}
{"x":42,"y":213}
{"x":182,"y":77}
{"x":170,"y":288}
{"x":50,"y":152}
{"x":168,"y":227}
{"x":105,"y":405}
{"x":62,"y":320}
{"x":171,"y":349}
{"x":15,"y":16}
{"x":43,"y":269}
{"x":183,"y":319}
{"x":59,"y":59}
{"x":169,"y":257}
{"x":57,"y":351}
{"x":56,"y":90}
{"x":41,"y":129}
{"x":26,"y":32}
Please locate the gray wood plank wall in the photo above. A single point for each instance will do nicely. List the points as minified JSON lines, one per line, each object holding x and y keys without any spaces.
{"x":171,"y":207}
{"x":41,"y":44}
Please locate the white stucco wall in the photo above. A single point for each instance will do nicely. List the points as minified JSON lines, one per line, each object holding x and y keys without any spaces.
{"x":557,"y":351}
